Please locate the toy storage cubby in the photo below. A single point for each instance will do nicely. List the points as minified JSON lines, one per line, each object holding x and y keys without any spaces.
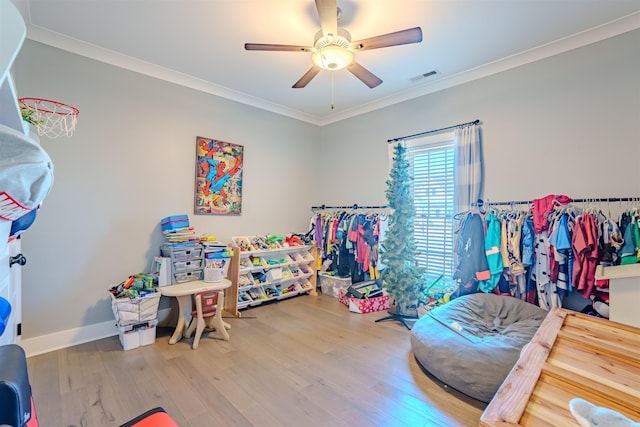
{"x":216,"y":259}
{"x":266,"y":270}
{"x":187,"y":262}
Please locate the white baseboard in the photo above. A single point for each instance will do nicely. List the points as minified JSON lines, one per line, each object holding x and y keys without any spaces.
{"x":63,"y":339}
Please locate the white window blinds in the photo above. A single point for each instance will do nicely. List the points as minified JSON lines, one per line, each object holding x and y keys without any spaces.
{"x":432,"y":161}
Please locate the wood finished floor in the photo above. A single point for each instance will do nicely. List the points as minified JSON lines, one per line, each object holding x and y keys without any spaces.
{"x":307,"y":361}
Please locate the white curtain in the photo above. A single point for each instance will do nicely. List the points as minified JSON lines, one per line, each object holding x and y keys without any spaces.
{"x":469,"y":168}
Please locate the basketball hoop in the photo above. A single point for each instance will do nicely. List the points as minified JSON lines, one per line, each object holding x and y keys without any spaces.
{"x":53,"y":119}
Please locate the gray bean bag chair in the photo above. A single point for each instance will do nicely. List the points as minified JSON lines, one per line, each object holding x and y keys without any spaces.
{"x":472,"y":342}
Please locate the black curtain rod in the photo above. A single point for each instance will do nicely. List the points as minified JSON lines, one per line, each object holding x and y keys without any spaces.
{"x":354,"y":206}
{"x":415,"y":135}
{"x":590,"y":200}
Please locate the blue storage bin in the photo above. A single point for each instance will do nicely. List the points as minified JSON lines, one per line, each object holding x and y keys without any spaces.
{"x":5,"y":312}
{"x":176,"y":222}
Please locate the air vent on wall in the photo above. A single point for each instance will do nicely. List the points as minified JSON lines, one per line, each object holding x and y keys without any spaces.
{"x":423,"y":76}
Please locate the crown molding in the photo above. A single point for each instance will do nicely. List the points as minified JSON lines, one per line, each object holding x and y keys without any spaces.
{"x":88,"y":50}
{"x":611,"y":29}
{"x":575,"y":41}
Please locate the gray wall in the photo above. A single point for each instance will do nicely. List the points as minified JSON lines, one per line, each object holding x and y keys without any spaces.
{"x":567,"y":124}
{"x":564,"y":125}
{"x":130,"y":163}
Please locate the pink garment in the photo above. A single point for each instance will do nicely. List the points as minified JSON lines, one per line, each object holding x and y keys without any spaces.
{"x":585,"y":250}
{"x":334,"y":229}
{"x":362,"y":251}
{"x":542,"y":207}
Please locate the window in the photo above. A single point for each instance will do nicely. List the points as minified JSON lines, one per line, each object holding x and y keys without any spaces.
{"x":432,"y":161}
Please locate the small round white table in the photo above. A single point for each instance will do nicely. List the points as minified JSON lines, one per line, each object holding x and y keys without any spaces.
{"x":183,"y":292}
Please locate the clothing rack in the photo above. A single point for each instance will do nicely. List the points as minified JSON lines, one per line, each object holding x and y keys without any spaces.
{"x":589,"y":200}
{"x":355,"y":206}
{"x":480,"y":203}
{"x":415,"y":135}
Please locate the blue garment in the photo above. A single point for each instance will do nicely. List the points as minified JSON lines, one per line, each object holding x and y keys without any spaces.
{"x":563,"y":245}
{"x":527,"y":241}
{"x":492,"y":251}
{"x":560,"y":240}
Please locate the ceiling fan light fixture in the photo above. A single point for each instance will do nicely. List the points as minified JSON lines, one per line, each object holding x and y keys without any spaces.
{"x":332,"y":58}
{"x":333,"y":50}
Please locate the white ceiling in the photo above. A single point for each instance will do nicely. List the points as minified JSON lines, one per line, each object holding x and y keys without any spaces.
{"x":200,"y":44}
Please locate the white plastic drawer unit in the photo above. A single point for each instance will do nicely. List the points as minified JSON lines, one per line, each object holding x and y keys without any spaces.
{"x":195,"y":264}
{"x":187,"y":276}
{"x":187,"y":254}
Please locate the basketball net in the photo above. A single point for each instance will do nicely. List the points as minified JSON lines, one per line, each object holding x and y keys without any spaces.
{"x":52,"y":118}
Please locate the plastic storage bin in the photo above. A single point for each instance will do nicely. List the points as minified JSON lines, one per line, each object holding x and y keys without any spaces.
{"x":213,"y":274}
{"x":221,"y":261}
{"x":131,"y":311}
{"x":181,"y":254}
{"x":133,"y":336}
{"x":176,"y":222}
{"x":187,"y":276}
{"x":333,"y":285}
{"x":305,"y":285}
{"x":195,"y":264}
{"x":245,"y":280}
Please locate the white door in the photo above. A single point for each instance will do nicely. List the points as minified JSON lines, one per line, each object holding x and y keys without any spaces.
{"x":11,"y":290}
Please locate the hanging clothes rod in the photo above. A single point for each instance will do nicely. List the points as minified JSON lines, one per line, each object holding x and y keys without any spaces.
{"x":415,"y":135}
{"x":589,"y":200}
{"x":354,"y":206}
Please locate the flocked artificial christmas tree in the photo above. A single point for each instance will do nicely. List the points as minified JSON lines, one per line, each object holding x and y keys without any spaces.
{"x":401,"y":276}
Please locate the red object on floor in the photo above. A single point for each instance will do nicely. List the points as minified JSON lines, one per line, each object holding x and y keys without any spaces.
{"x":368,"y":305}
{"x":33,"y":421}
{"x":156,"y":417}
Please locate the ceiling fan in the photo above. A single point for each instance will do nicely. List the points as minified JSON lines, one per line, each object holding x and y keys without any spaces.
{"x":333,"y":49}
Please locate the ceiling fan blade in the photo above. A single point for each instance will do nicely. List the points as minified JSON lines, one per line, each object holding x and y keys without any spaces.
{"x":308,"y":76}
{"x":328,"y":13}
{"x":366,"y":76}
{"x":411,"y":35}
{"x":277,"y":47}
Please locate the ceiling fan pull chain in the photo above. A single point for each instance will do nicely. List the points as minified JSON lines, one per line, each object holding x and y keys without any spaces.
{"x":332,"y":90}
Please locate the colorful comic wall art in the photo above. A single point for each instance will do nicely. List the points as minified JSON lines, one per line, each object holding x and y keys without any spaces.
{"x":218,"y":177}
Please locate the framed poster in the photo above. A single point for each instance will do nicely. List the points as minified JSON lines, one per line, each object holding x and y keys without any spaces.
{"x":218,"y":177}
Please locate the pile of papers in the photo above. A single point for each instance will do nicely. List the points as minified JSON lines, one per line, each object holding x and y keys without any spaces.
{"x":183,"y":237}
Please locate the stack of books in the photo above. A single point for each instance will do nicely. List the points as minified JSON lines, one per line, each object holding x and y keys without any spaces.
{"x":183,"y":237}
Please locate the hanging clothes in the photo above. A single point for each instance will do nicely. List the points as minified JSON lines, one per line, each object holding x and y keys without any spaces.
{"x":528,"y":237}
{"x":472,"y":265}
{"x":317,"y":230}
{"x":542,"y":207}
{"x":350,"y":243}
{"x":514,"y":271}
{"x":547,"y":252}
{"x":585,"y":249}
{"x":630,"y":251}
{"x":560,"y":241}
{"x":548,"y":297}
{"x":492,"y":252}
{"x":611,"y":242}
